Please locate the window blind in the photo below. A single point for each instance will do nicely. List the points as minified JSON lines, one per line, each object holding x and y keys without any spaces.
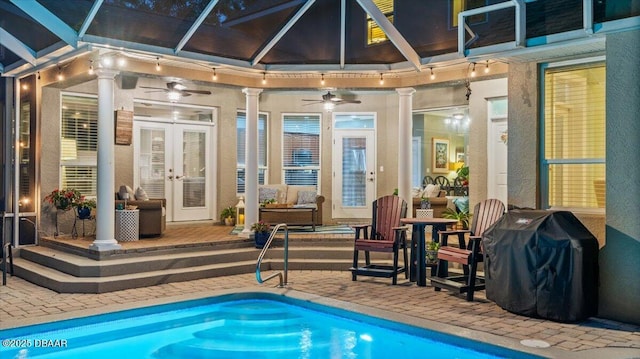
{"x":574,"y":135}
{"x":79,"y":143}
{"x":301,"y":149}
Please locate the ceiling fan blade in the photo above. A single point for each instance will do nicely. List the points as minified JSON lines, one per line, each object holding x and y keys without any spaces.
{"x":350,"y":101}
{"x":154,"y":91}
{"x":311,"y":100}
{"x":313,"y":103}
{"x":184,"y":94}
{"x":153,"y":88}
{"x":199,"y":92}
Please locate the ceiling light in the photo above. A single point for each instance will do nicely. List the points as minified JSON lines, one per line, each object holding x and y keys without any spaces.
{"x":60,"y":76}
{"x":329,"y":105}
{"x":458,"y":116}
{"x":214,"y":76}
{"x":264,"y":78}
{"x":381,"y":79}
{"x":173,"y":96}
{"x":158,"y":68}
{"x":433,"y":76}
{"x":486,"y":69}
{"x":473,"y":70}
{"x":121,"y":61}
{"x":322,"y":79}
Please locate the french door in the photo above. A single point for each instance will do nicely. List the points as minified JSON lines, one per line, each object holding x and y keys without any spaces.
{"x":354,"y":180}
{"x":173,"y":163}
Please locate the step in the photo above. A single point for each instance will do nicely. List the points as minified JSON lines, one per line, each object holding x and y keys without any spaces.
{"x":80,"y":266}
{"x":64,"y":283}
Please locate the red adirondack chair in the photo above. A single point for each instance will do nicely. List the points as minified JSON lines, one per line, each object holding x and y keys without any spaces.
{"x":485,"y":214}
{"x":384,"y":234}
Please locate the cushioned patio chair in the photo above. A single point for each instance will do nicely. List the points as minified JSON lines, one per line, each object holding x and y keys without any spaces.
{"x":386,"y":235}
{"x":485,"y":214}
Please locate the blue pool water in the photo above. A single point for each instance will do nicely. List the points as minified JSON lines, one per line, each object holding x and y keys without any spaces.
{"x":254,"y":325}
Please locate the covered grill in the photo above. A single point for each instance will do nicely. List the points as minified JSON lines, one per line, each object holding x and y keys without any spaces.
{"x":542,"y":264}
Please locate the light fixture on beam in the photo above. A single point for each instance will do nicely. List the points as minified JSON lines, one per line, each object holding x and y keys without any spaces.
{"x":381,"y":79}
{"x":264,"y":78}
{"x":486,"y":68}
{"x":158,"y":68}
{"x":473,"y":70}
{"x":433,"y":76}
{"x":91,"y":67}
{"x":214,"y":77}
{"x":60,"y":75}
{"x":322,"y":79}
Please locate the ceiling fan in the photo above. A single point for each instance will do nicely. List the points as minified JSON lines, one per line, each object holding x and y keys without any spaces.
{"x":176,"y":90}
{"x":330,"y":101}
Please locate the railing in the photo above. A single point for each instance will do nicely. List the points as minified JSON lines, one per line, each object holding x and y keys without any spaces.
{"x":282,"y":275}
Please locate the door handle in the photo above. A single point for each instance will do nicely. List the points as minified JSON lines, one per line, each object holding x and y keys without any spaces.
{"x":179,"y":177}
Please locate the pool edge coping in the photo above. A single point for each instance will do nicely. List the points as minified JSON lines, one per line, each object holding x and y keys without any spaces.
{"x":427,"y":324}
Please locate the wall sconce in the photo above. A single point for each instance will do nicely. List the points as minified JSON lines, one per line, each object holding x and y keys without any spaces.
{"x":240,"y":211}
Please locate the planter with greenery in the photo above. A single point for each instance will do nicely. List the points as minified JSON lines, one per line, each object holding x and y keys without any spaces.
{"x":84,"y":207}
{"x":228,"y":215}
{"x":432,"y":252}
{"x":260,"y":233}
{"x":461,"y":216}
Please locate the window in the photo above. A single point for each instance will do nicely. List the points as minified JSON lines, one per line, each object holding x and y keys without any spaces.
{"x":240,"y":150}
{"x":79,"y":144}
{"x":573,"y":160}
{"x":458,"y":6}
{"x":301,"y":149}
{"x":375,"y":34}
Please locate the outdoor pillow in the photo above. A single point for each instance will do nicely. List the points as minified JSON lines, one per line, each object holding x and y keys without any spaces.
{"x":306,"y":197}
{"x":431,"y":190}
{"x":265,"y":193}
{"x":141,"y":194}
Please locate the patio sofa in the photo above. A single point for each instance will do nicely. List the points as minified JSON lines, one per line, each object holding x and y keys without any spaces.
{"x":291,"y":197}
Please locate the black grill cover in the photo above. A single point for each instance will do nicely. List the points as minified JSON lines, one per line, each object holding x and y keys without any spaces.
{"x":542,"y":264}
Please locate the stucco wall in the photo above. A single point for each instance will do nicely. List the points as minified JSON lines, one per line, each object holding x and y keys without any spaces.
{"x":620,"y":257}
{"x":523,"y":135}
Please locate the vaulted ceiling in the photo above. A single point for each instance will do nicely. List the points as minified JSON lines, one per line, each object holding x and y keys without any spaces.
{"x":292,"y":38}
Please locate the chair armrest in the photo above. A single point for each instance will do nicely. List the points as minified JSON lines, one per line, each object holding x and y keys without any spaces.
{"x":361,"y":228}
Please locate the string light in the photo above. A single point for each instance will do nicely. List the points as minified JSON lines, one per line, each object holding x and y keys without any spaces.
{"x":158,"y":68}
{"x":381,"y":79}
{"x":433,"y":76}
{"x":38,"y":75}
{"x":322,"y":79}
{"x":486,"y":69}
{"x":214,"y":76}
{"x":60,"y":76}
{"x":473,"y":70}
{"x":264,"y":78}
{"x":91,"y":67}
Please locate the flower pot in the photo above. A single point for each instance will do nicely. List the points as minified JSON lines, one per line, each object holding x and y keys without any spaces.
{"x":62,"y":203}
{"x":261,"y":238}
{"x":84,"y":212}
{"x":432,"y":256}
{"x":229,"y":221}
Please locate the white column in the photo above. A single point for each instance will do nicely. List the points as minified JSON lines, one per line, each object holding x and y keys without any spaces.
{"x":105,"y":219}
{"x":404,"y":145}
{"x":251,"y":160}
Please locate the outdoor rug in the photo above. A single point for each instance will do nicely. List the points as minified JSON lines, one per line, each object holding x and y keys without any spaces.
{"x":324,"y":229}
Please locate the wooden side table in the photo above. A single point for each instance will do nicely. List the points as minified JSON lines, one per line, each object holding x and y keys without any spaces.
{"x":127,"y":225}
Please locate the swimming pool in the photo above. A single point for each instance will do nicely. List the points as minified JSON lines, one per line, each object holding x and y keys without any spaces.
{"x":243,"y":325}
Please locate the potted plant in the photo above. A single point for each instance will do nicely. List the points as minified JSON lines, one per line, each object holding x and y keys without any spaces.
{"x":463,"y":175}
{"x":228,"y":215}
{"x":432,"y":252}
{"x":63,"y":199}
{"x":84,"y":207}
{"x":260,"y":233}
{"x":461,"y":216}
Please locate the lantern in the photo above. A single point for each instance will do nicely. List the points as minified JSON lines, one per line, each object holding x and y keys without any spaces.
{"x":240,"y":211}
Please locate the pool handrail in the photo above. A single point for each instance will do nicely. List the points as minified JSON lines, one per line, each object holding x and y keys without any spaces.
{"x":282,"y":275}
